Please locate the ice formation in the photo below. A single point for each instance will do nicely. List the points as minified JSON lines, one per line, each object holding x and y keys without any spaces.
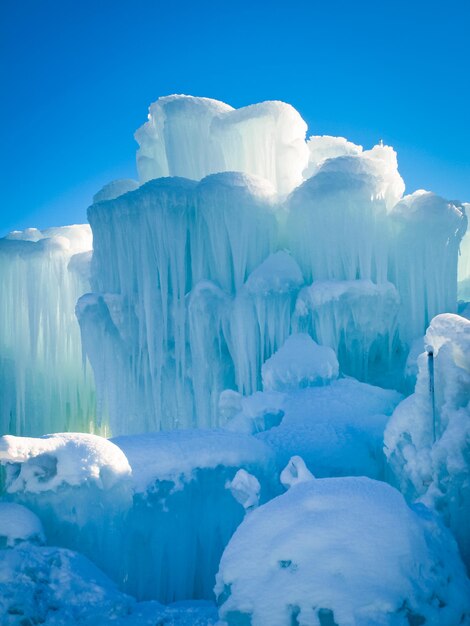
{"x":43,"y":382}
{"x":18,"y":524}
{"x":322,"y":554}
{"x":427,"y":438}
{"x":193,"y":137}
{"x":252,"y":311}
{"x":299,"y":362}
{"x":159,"y":500}
{"x":201,"y":274}
{"x":464,"y":263}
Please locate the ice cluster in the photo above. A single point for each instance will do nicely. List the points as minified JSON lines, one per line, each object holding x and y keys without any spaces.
{"x":44,"y":384}
{"x":245,"y":382}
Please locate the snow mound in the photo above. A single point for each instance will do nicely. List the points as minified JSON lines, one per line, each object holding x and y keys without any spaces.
{"x":299,"y":362}
{"x":55,"y":586}
{"x":175,"y":456}
{"x":345,"y":551}
{"x":17,"y":524}
{"x":337,"y":429}
{"x":42,"y":464}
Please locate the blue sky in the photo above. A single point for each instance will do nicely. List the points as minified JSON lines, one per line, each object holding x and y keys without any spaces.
{"x":77,"y":77}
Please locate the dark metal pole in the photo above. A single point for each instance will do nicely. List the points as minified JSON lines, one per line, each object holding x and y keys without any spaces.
{"x":430,"y":353}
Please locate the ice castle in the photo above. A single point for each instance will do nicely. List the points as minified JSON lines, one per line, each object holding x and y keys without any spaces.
{"x":242,"y":391}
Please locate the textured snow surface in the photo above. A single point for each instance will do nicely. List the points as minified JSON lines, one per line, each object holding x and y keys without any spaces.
{"x":48,"y":462}
{"x":54,"y":586}
{"x":174,"y":456}
{"x":344,"y":551}
{"x":18,"y":524}
{"x":337,"y":429}
{"x":299,"y":362}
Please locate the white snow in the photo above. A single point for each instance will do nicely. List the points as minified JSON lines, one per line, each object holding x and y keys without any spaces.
{"x":245,"y":488}
{"x":299,"y":362}
{"x":175,"y":456}
{"x":344,"y":551}
{"x":18,"y":524}
{"x":52,"y":461}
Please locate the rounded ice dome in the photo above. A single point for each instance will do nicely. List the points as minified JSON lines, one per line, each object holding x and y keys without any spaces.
{"x":115,"y":188}
{"x":343,"y":551}
{"x":18,"y":524}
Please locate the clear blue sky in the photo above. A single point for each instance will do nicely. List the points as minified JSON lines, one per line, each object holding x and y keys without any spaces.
{"x":77,"y":77}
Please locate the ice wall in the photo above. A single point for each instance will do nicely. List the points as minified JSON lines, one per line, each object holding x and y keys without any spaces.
{"x":464,"y":263}
{"x":44,"y":386}
{"x":427,"y":231}
{"x":167,"y":260}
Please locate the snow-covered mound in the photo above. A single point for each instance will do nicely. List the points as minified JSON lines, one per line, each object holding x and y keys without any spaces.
{"x":78,"y":485}
{"x":43,"y":383}
{"x":49,"y":462}
{"x":53,"y":586}
{"x":337,"y":429}
{"x":345,"y":551}
{"x":299,"y":362}
{"x":176,"y":456}
{"x":18,"y":524}
{"x":427,"y":438}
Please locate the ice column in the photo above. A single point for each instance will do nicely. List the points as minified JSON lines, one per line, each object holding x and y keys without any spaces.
{"x":44,"y":384}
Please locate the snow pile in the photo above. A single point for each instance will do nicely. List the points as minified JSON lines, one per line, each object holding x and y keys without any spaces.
{"x":342,"y":551}
{"x":428,"y":435}
{"x":43,"y":382}
{"x":178,"y":455}
{"x":300,"y":362}
{"x":193,"y":137}
{"x":53,"y":586}
{"x":337,"y":429}
{"x":18,"y":524}
{"x":78,"y":485}
{"x":47,"y":463}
